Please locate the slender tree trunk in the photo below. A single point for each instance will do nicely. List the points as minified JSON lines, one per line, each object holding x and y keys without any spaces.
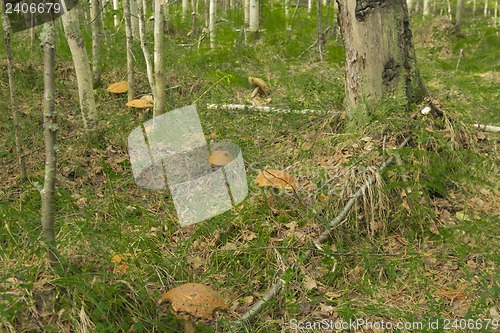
{"x":485,"y":8}
{"x":427,"y":8}
{"x":130,"y":50}
{"x":159,"y":102}
{"x":194,"y":5}
{"x":134,"y":21}
{"x":287,"y":16}
{"x":211,"y":23}
{"x":185,"y":9}
{"x":319,"y":29}
{"x":13,"y":99}
{"x":76,"y":44}
{"x":254,"y":16}
{"x":116,"y":20}
{"x":418,"y":6}
{"x":496,"y":13}
{"x":458,"y":15}
{"x":474,"y":7}
{"x":95,"y":6}
{"x":309,"y":6}
{"x":50,"y":136}
{"x":380,"y":58}
{"x":145,"y":50}
{"x":411,"y":5}
{"x":246,"y":12}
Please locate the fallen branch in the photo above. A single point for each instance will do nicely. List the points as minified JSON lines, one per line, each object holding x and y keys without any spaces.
{"x":244,"y":107}
{"x":487,"y":128}
{"x":274,"y":289}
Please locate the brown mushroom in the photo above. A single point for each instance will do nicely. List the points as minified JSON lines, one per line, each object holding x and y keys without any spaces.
{"x":192,"y":302}
{"x":118,"y":87}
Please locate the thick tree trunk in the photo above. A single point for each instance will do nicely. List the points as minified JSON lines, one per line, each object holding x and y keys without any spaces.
{"x":13,"y":99}
{"x":71,"y":23}
{"x":380,"y":58}
{"x":50,"y":136}
{"x":96,"y":42}
{"x":159,"y":102}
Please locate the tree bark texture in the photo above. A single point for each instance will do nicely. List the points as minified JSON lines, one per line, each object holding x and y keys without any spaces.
{"x":159,"y":101}
{"x":380,"y":57}
{"x":145,"y":50}
{"x":13,"y":99}
{"x":71,"y":23}
{"x":50,"y":136}
{"x":130,"y":51}
{"x":211,"y":23}
{"x":95,"y":7}
{"x":254,"y":16}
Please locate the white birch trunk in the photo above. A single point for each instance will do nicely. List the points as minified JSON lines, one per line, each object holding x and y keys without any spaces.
{"x":211,"y":24}
{"x":145,"y":50}
{"x":427,"y":8}
{"x":95,"y":16}
{"x":76,"y":44}
{"x":458,"y":14}
{"x":319,"y":31}
{"x":50,"y":136}
{"x":309,"y":6}
{"x":194,"y":10}
{"x":159,"y":101}
{"x":410,"y":4}
{"x":485,"y":8}
{"x":185,"y":9}
{"x":287,"y":15}
{"x":130,"y":51}
{"x":496,"y":13}
{"x":13,"y":99}
{"x":254,"y":16}
{"x":246,"y":12}
{"x":134,"y":18}
{"x":116,"y":20}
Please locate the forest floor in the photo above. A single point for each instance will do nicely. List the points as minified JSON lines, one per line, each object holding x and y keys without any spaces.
{"x":420,"y":246}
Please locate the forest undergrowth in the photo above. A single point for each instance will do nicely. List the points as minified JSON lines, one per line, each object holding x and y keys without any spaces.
{"x":420,"y":245}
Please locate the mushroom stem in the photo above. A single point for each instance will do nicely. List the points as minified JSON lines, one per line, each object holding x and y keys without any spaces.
{"x":189,"y":326}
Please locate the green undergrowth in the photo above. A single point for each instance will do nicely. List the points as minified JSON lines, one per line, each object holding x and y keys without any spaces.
{"x":421,"y":245}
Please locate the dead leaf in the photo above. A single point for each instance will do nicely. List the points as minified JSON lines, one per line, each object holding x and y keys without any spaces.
{"x":276,"y":178}
{"x":331,"y":295}
{"x":309,"y":283}
{"x":249,"y":235}
{"x":248,"y":300}
{"x":324,"y":308}
{"x":196,"y":262}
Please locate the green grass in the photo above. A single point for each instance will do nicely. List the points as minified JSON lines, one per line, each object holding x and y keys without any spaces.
{"x":405,"y":252}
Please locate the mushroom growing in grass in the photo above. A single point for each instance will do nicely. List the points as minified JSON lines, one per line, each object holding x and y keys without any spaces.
{"x":144,"y":103}
{"x":118,"y":87}
{"x":192,"y":302}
